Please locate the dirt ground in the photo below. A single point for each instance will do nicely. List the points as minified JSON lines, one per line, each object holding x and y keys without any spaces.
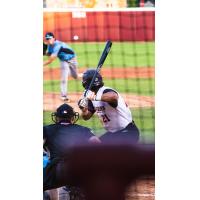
{"x":52,"y":100}
{"x":142,"y":189}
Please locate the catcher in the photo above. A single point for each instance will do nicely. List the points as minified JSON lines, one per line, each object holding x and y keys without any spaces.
{"x":111,"y":109}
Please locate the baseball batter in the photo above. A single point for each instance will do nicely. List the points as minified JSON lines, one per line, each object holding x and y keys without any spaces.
{"x":68,"y":61}
{"x":58,"y":138}
{"x":111,"y":109}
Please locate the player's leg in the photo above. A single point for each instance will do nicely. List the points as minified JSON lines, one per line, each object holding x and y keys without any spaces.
{"x":132,"y":132}
{"x":64,"y":79}
{"x":46,"y":196}
{"x":116,"y":138}
{"x":106,"y":137}
{"x":76,"y":193}
{"x":73,"y":66}
{"x":64,"y":193}
{"x":54,"y":194}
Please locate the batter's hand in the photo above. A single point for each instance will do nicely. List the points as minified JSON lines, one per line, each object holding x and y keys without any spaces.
{"x":90,"y":95}
{"x":83,"y":103}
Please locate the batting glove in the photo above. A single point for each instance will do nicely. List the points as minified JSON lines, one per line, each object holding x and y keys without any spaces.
{"x":83,"y":103}
{"x":90,"y":95}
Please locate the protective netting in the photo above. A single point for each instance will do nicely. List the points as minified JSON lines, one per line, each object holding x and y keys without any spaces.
{"x":129,"y":67}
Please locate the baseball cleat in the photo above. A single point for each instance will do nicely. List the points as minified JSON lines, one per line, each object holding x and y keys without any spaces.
{"x":65,"y":99}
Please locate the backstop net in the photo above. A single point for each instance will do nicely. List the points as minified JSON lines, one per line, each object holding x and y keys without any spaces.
{"x":129,"y":67}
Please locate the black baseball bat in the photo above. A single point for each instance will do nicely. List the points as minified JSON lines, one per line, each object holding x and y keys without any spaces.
{"x":100,"y":64}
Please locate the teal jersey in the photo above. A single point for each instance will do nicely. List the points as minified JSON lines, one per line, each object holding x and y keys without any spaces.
{"x":60,"y":49}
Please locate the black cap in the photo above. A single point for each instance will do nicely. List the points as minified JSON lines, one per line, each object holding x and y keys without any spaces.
{"x":64,"y":111}
{"x":49,"y":35}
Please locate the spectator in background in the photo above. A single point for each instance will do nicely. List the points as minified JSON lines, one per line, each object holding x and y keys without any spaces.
{"x":141,"y":3}
{"x":149,"y":3}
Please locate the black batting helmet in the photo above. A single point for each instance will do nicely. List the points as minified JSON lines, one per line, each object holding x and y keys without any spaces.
{"x":87,"y":78}
{"x":65,"y":113}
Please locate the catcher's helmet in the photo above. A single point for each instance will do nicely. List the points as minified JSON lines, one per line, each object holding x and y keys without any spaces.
{"x":87,"y":78}
{"x":64,"y":113}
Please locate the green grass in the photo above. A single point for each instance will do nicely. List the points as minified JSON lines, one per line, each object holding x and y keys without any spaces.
{"x":143,"y":117}
{"x":137,"y":86}
{"x":122,"y":54}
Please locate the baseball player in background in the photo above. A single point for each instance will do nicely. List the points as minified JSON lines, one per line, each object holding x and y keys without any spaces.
{"x":111,"y":109}
{"x":59,"y":137}
{"x":68,"y":61}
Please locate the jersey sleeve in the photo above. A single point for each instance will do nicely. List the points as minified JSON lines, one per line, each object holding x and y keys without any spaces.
{"x":109,"y":90}
{"x":56,"y":49}
{"x":114,"y":105}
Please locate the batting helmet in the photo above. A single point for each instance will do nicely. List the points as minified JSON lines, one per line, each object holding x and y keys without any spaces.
{"x":87,"y":78}
{"x":65,"y":113}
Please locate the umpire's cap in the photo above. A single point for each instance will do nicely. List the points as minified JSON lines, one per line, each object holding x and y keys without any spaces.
{"x":64,"y":111}
{"x":87,"y":78}
{"x":49,"y":35}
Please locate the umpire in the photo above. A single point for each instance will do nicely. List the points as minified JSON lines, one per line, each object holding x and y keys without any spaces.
{"x":58,"y":138}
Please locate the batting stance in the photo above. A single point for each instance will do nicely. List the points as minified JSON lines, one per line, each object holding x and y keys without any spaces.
{"x":67,"y":57}
{"x":111,"y":109}
{"x":58,"y":138}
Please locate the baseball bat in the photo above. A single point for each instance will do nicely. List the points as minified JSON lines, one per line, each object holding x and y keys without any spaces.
{"x":100,"y":63}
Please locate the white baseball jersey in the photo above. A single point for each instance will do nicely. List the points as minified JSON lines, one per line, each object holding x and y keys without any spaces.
{"x":113,"y":119}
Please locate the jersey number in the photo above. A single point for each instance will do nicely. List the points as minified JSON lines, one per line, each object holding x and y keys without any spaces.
{"x":105,"y":118}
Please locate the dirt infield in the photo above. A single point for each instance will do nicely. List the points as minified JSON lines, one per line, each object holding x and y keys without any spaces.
{"x":128,"y":72}
{"x":142,"y":189}
{"x":52,"y":100}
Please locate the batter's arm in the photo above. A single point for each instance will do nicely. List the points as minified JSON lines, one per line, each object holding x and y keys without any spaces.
{"x":110,"y":97}
{"x":86,"y":114}
{"x":86,"y":107}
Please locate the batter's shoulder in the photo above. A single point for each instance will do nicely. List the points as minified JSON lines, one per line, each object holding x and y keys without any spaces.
{"x":108,"y":89}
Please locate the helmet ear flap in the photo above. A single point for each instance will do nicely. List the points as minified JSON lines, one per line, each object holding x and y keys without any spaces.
{"x":84,"y":84}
